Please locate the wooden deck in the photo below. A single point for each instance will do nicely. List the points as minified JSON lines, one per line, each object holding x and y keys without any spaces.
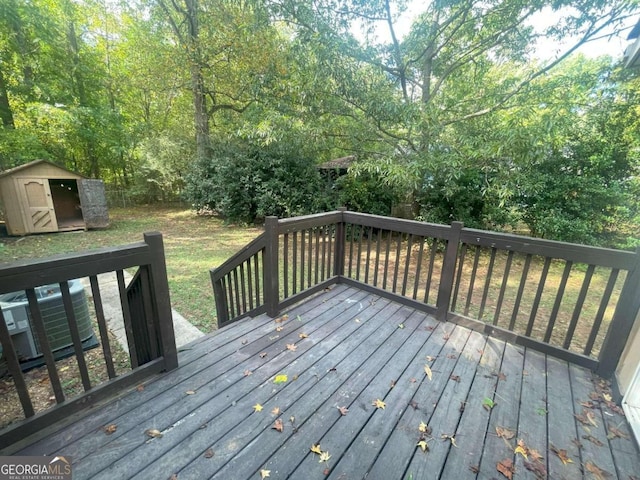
{"x":348,"y":348}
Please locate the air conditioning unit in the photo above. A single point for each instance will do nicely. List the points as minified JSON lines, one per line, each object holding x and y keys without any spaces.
{"x":15,"y":309}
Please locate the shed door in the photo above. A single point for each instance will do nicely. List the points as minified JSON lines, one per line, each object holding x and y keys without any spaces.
{"x":39,"y":213}
{"x":93,"y":202}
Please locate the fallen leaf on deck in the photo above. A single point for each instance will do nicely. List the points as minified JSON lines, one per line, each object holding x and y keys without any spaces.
{"x":592,"y":418}
{"x":430,"y":358}
{"x":173,"y":477}
{"x":283,"y":318}
{"x":500,"y":375}
{"x":588,"y":404}
{"x":607,"y":397}
{"x":393,"y":384}
{"x":455,"y":378}
{"x":263,"y":354}
{"x":303,"y":335}
{"x":423,"y":427}
{"x":537,"y":468}
{"x":474,"y":468}
{"x":401,"y":325}
{"x":413,"y":404}
{"x":593,"y":440}
{"x":562,"y":454}
{"x":451,"y":438}
{"x":427,"y":370}
{"x":209,"y":453}
{"x":279,"y":329}
{"x":292,"y":347}
{"x":264,"y":473}
{"x":423,"y":445}
{"x":446,"y":336}
{"x":245,"y":341}
{"x":247,"y":373}
{"x":615,"y":432}
{"x":282,"y":378}
{"x":488,"y":404}
{"x":257,"y":407}
{"x":190,"y":392}
{"x":153,"y":433}
{"x":275,"y":411}
{"x":278,"y":425}
{"x":379,"y":403}
{"x":140,"y":388}
{"x":298,"y":318}
{"x":452,"y":356}
{"x":324,"y":457}
{"x":412,"y":380}
{"x":535,"y":455}
{"x":505,"y":433}
{"x":598,"y":473}
{"x":522,"y":450}
{"x":506,"y":468}
{"x":343,"y":410}
{"x":315,"y":448}
{"x":109,"y":429}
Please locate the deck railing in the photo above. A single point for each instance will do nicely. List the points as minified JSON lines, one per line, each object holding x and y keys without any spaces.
{"x":573,"y":301}
{"x":146,"y":319}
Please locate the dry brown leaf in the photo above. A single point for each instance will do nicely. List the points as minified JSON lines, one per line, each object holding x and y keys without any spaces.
{"x":343,"y":410}
{"x":247,"y":373}
{"x":597,"y":472}
{"x":591,"y":417}
{"x":109,"y":429}
{"x":153,"y":433}
{"x":506,"y":468}
{"x":593,"y":440}
{"x":562,"y":454}
{"x":474,"y":468}
{"x":522,"y":450}
{"x":412,"y":380}
{"x":292,"y":347}
{"x":451,"y":438}
{"x":430,"y":358}
{"x":455,"y":378}
{"x":505,"y":433}
{"x":303,"y":335}
{"x":275,"y":411}
{"x":427,"y":370}
{"x":379,"y":403}
{"x":614,"y":432}
{"x":537,"y":468}
{"x":174,"y":477}
{"x":279,"y":329}
{"x":278,"y":425}
{"x":535,"y":455}
{"x":140,"y":388}
{"x":209,"y":453}
{"x":263,"y":354}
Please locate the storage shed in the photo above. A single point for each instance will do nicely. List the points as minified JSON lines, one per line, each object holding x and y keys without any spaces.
{"x":41,"y":196}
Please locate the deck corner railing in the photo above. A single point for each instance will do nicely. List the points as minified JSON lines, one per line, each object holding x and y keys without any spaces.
{"x":573,"y":301}
{"x":146,"y":320}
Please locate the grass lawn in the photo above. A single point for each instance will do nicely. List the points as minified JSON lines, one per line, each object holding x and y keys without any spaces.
{"x":193,"y":244}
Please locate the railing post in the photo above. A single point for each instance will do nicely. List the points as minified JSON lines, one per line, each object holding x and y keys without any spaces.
{"x":271,"y":278}
{"x":222,"y":309}
{"x":161,"y":300}
{"x":622,"y":322}
{"x":338,"y":260}
{"x":448,"y":271}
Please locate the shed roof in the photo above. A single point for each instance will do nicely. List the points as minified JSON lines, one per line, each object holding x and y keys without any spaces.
{"x":343,"y":162}
{"x":32,"y":164}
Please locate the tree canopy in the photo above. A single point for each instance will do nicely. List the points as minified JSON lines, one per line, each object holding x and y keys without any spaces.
{"x":456,"y":110}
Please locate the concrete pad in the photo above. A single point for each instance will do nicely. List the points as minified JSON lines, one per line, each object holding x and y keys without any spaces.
{"x":184,"y":331}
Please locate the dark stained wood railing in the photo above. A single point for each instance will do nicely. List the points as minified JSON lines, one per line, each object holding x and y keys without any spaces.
{"x":146,"y":315}
{"x":573,"y":301}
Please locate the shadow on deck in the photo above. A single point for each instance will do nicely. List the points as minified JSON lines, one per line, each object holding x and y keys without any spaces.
{"x":477,"y":398}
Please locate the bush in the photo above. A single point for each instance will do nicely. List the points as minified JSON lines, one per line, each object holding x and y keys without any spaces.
{"x":247,"y":182}
{"x":365,"y":192}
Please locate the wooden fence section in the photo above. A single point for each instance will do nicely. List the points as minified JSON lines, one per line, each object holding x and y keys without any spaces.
{"x":147,"y":319}
{"x":573,"y":301}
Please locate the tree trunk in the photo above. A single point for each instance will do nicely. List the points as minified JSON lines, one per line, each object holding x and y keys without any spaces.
{"x":201,"y":116}
{"x":5,"y":109}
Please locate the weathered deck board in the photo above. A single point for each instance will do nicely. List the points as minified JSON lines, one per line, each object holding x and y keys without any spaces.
{"x":351,"y":348}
